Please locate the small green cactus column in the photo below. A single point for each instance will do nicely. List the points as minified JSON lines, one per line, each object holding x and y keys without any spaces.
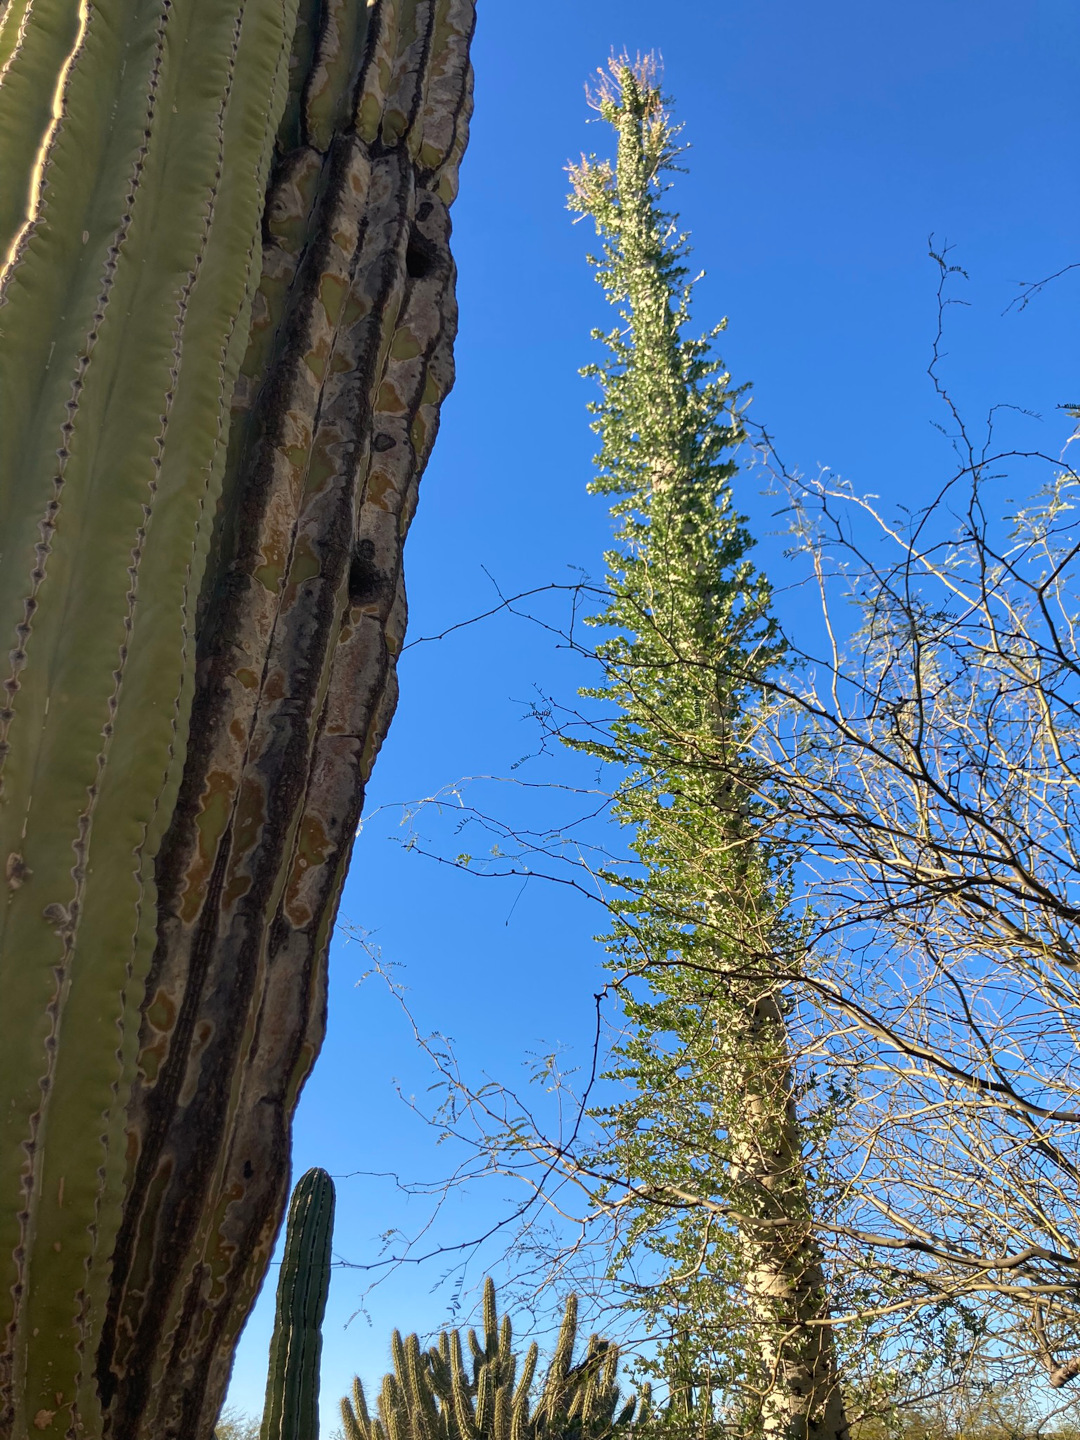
{"x":292,"y":1381}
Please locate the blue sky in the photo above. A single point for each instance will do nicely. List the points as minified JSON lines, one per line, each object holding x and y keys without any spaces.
{"x":828,"y":142}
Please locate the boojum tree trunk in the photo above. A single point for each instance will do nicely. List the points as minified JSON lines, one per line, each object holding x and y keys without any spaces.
{"x":783,"y":1273}
{"x":216,"y":400}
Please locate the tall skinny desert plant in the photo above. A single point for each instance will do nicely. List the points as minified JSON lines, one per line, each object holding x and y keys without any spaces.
{"x":291,"y":1411}
{"x":709,"y":1146}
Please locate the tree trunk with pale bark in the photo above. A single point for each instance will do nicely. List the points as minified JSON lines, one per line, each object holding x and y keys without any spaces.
{"x":785,"y":1283}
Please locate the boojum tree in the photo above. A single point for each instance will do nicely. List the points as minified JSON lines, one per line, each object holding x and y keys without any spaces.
{"x":226,"y":321}
{"x":710,"y":1134}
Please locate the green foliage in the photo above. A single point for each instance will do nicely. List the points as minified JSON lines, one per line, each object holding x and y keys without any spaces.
{"x":702,"y":923}
{"x":692,"y":634}
{"x":430,"y":1396}
{"x":292,"y":1382}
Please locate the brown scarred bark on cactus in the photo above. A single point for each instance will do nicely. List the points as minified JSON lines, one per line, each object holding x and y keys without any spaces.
{"x":302,"y":618}
{"x":201,"y":618}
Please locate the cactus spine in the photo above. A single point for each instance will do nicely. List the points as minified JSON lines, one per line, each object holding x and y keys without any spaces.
{"x":429,"y":1395}
{"x":196,"y":542}
{"x":292,"y":1384}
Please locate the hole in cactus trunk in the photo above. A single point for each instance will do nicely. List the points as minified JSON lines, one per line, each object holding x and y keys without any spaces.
{"x":420,"y":256}
{"x":366,"y":580}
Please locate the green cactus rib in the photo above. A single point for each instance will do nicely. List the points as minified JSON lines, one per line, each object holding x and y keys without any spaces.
{"x":134,"y":157}
{"x":292,"y":1383}
{"x":300,"y":620}
{"x":430,"y":1396}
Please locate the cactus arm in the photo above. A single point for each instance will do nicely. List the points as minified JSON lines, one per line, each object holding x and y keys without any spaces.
{"x":464,"y":1417}
{"x":120,"y":340}
{"x":501,"y":1421}
{"x":292,"y":1384}
{"x":392,"y":1410}
{"x":355,"y":1418}
{"x":626,"y":1414}
{"x":485,"y":1400}
{"x":401,"y":1362}
{"x":491,"y":1319}
{"x":360,"y":1401}
{"x":439,"y":1363}
{"x":519,"y":1418}
{"x":555,"y":1395}
{"x":418,"y":1396}
{"x":300,"y":621}
{"x":506,"y":1350}
{"x":352,"y":1425}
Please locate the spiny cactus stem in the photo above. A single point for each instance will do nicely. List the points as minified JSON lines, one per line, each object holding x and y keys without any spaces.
{"x":292,"y":1386}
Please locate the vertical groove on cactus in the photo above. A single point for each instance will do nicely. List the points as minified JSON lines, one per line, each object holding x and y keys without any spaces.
{"x":120,"y":342}
{"x":292,"y":1382}
{"x":168,"y":904}
{"x":300,"y":619}
{"x":41,"y":158}
{"x":430,"y":1397}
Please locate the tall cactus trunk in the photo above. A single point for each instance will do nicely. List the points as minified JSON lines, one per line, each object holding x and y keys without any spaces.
{"x":291,"y":1411}
{"x":166,"y":572}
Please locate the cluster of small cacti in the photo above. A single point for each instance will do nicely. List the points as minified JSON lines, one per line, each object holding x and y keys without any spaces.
{"x":292,"y":1382}
{"x":430,"y":1395}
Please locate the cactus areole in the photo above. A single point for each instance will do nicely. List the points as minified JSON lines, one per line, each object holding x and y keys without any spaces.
{"x":226,"y":323}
